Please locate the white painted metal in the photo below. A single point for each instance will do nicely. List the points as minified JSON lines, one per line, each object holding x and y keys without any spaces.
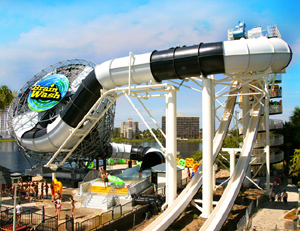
{"x":256,"y":55}
{"x":115,"y":72}
{"x":171,"y":146}
{"x":221,"y":211}
{"x":173,"y":211}
{"x":246,"y":118}
{"x":232,"y":161}
{"x":267,"y":147}
{"x":207,"y":147}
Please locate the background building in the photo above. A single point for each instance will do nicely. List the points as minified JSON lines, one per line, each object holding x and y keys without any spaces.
{"x":187,"y":126}
{"x":130,"y":129}
{"x":4,"y":131}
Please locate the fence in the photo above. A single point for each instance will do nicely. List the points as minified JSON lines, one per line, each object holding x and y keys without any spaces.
{"x":49,"y":224}
{"x":27,"y":218}
{"x":105,"y":218}
{"x":246,"y":221}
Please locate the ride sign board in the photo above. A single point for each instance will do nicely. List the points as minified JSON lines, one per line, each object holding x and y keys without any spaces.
{"x":48,"y":92}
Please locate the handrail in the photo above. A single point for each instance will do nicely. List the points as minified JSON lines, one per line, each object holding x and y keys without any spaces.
{"x":85,"y":192}
{"x":92,"y":175}
{"x":112,"y":191}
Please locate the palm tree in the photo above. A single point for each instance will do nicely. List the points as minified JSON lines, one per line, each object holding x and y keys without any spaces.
{"x":6,"y":97}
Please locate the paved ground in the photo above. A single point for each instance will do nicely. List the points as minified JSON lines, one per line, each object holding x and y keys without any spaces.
{"x":271,"y":215}
{"x":36,"y":206}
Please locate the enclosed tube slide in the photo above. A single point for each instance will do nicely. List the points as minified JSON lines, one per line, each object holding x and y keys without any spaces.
{"x":149,"y":156}
{"x":237,"y":56}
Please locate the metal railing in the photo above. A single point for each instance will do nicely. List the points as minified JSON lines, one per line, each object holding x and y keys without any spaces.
{"x":273,"y":124}
{"x":275,"y":157}
{"x":92,"y":175}
{"x":28,"y":218}
{"x":275,"y":140}
{"x":105,"y":218}
{"x":49,"y":224}
{"x":85,"y":192}
{"x":67,"y":225}
{"x":109,"y":199}
{"x":245,"y":222}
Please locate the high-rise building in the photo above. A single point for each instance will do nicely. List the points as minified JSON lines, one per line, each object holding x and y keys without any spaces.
{"x":130,"y":129}
{"x":187,"y":126}
{"x":4,"y":131}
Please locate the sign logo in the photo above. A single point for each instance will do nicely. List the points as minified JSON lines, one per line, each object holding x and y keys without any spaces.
{"x":48,"y":92}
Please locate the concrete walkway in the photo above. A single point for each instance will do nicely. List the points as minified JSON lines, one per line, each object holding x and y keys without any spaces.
{"x":271,"y":214}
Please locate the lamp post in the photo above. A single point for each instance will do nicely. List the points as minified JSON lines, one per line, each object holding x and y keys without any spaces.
{"x":15,"y":180}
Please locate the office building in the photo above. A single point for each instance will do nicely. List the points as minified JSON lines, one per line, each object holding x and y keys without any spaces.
{"x":187,"y":126}
{"x":130,"y":129}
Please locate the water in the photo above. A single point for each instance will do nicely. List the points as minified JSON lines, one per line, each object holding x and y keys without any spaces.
{"x":12,"y":158}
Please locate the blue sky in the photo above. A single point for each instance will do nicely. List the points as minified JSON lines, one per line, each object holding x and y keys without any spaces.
{"x":36,"y":34}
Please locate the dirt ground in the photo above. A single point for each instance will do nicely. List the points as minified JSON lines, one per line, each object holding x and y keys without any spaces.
{"x":190,"y":219}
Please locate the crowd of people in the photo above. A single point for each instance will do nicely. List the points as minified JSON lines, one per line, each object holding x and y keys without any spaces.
{"x":276,"y":194}
{"x":32,"y":191}
{"x":28,"y":190}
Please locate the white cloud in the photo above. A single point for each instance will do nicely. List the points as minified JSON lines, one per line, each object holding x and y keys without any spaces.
{"x":76,"y":30}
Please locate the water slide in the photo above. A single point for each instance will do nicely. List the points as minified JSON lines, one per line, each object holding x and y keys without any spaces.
{"x":221,"y":211}
{"x":185,"y":197}
{"x":237,"y":56}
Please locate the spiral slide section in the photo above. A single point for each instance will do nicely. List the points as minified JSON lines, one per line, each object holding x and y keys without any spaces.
{"x":185,"y":197}
{"x":237,"y":56}
{"x":221,"y":211}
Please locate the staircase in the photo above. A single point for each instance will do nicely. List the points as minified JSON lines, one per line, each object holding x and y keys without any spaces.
{"x":99,"y":202}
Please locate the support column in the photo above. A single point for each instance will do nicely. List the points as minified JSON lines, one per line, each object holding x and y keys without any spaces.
{"x":246,"y":119}
{"x":53,"y":175}
{"x":232,"y":161}
{"x":171,"y":146}
{"x":207,"y":147}
{"x":267,"y":147}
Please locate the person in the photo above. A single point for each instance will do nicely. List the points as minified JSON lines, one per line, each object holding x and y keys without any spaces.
{"x":105,"y":178}
{"x":58,"y":207}
{"x":23,"y":193}
{"x":100,"y":174}
{"x":42,"y":191}
{"x":140,"y":173}
{"x":36,"y":190}
{"x":284,"y":196}
{"x":276,"y":180}
{"x":273,"y":195}
{"x":46,"y":189}
{"x":72,"y":206}
{"x":19,"y":211}
{"x":189,"y":173}
{"x":278,"y":196}
{"x":31,"y":193}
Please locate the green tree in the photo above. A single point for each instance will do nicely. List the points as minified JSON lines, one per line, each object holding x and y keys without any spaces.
{"x":295,"y":163}
{"x":116,"y":133}
{"x":291,"y":133}
{"x":295,"y":166}
{"x":295,"y":124}
{"x":6,"y":97}
{"x":197,"y":155}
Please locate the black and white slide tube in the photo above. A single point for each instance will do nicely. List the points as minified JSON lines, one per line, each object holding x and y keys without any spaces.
{"x":149,"y":156}
{"x":229,"y":57}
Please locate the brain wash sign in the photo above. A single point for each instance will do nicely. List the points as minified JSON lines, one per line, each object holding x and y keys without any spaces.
{"x":48,"y":92}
